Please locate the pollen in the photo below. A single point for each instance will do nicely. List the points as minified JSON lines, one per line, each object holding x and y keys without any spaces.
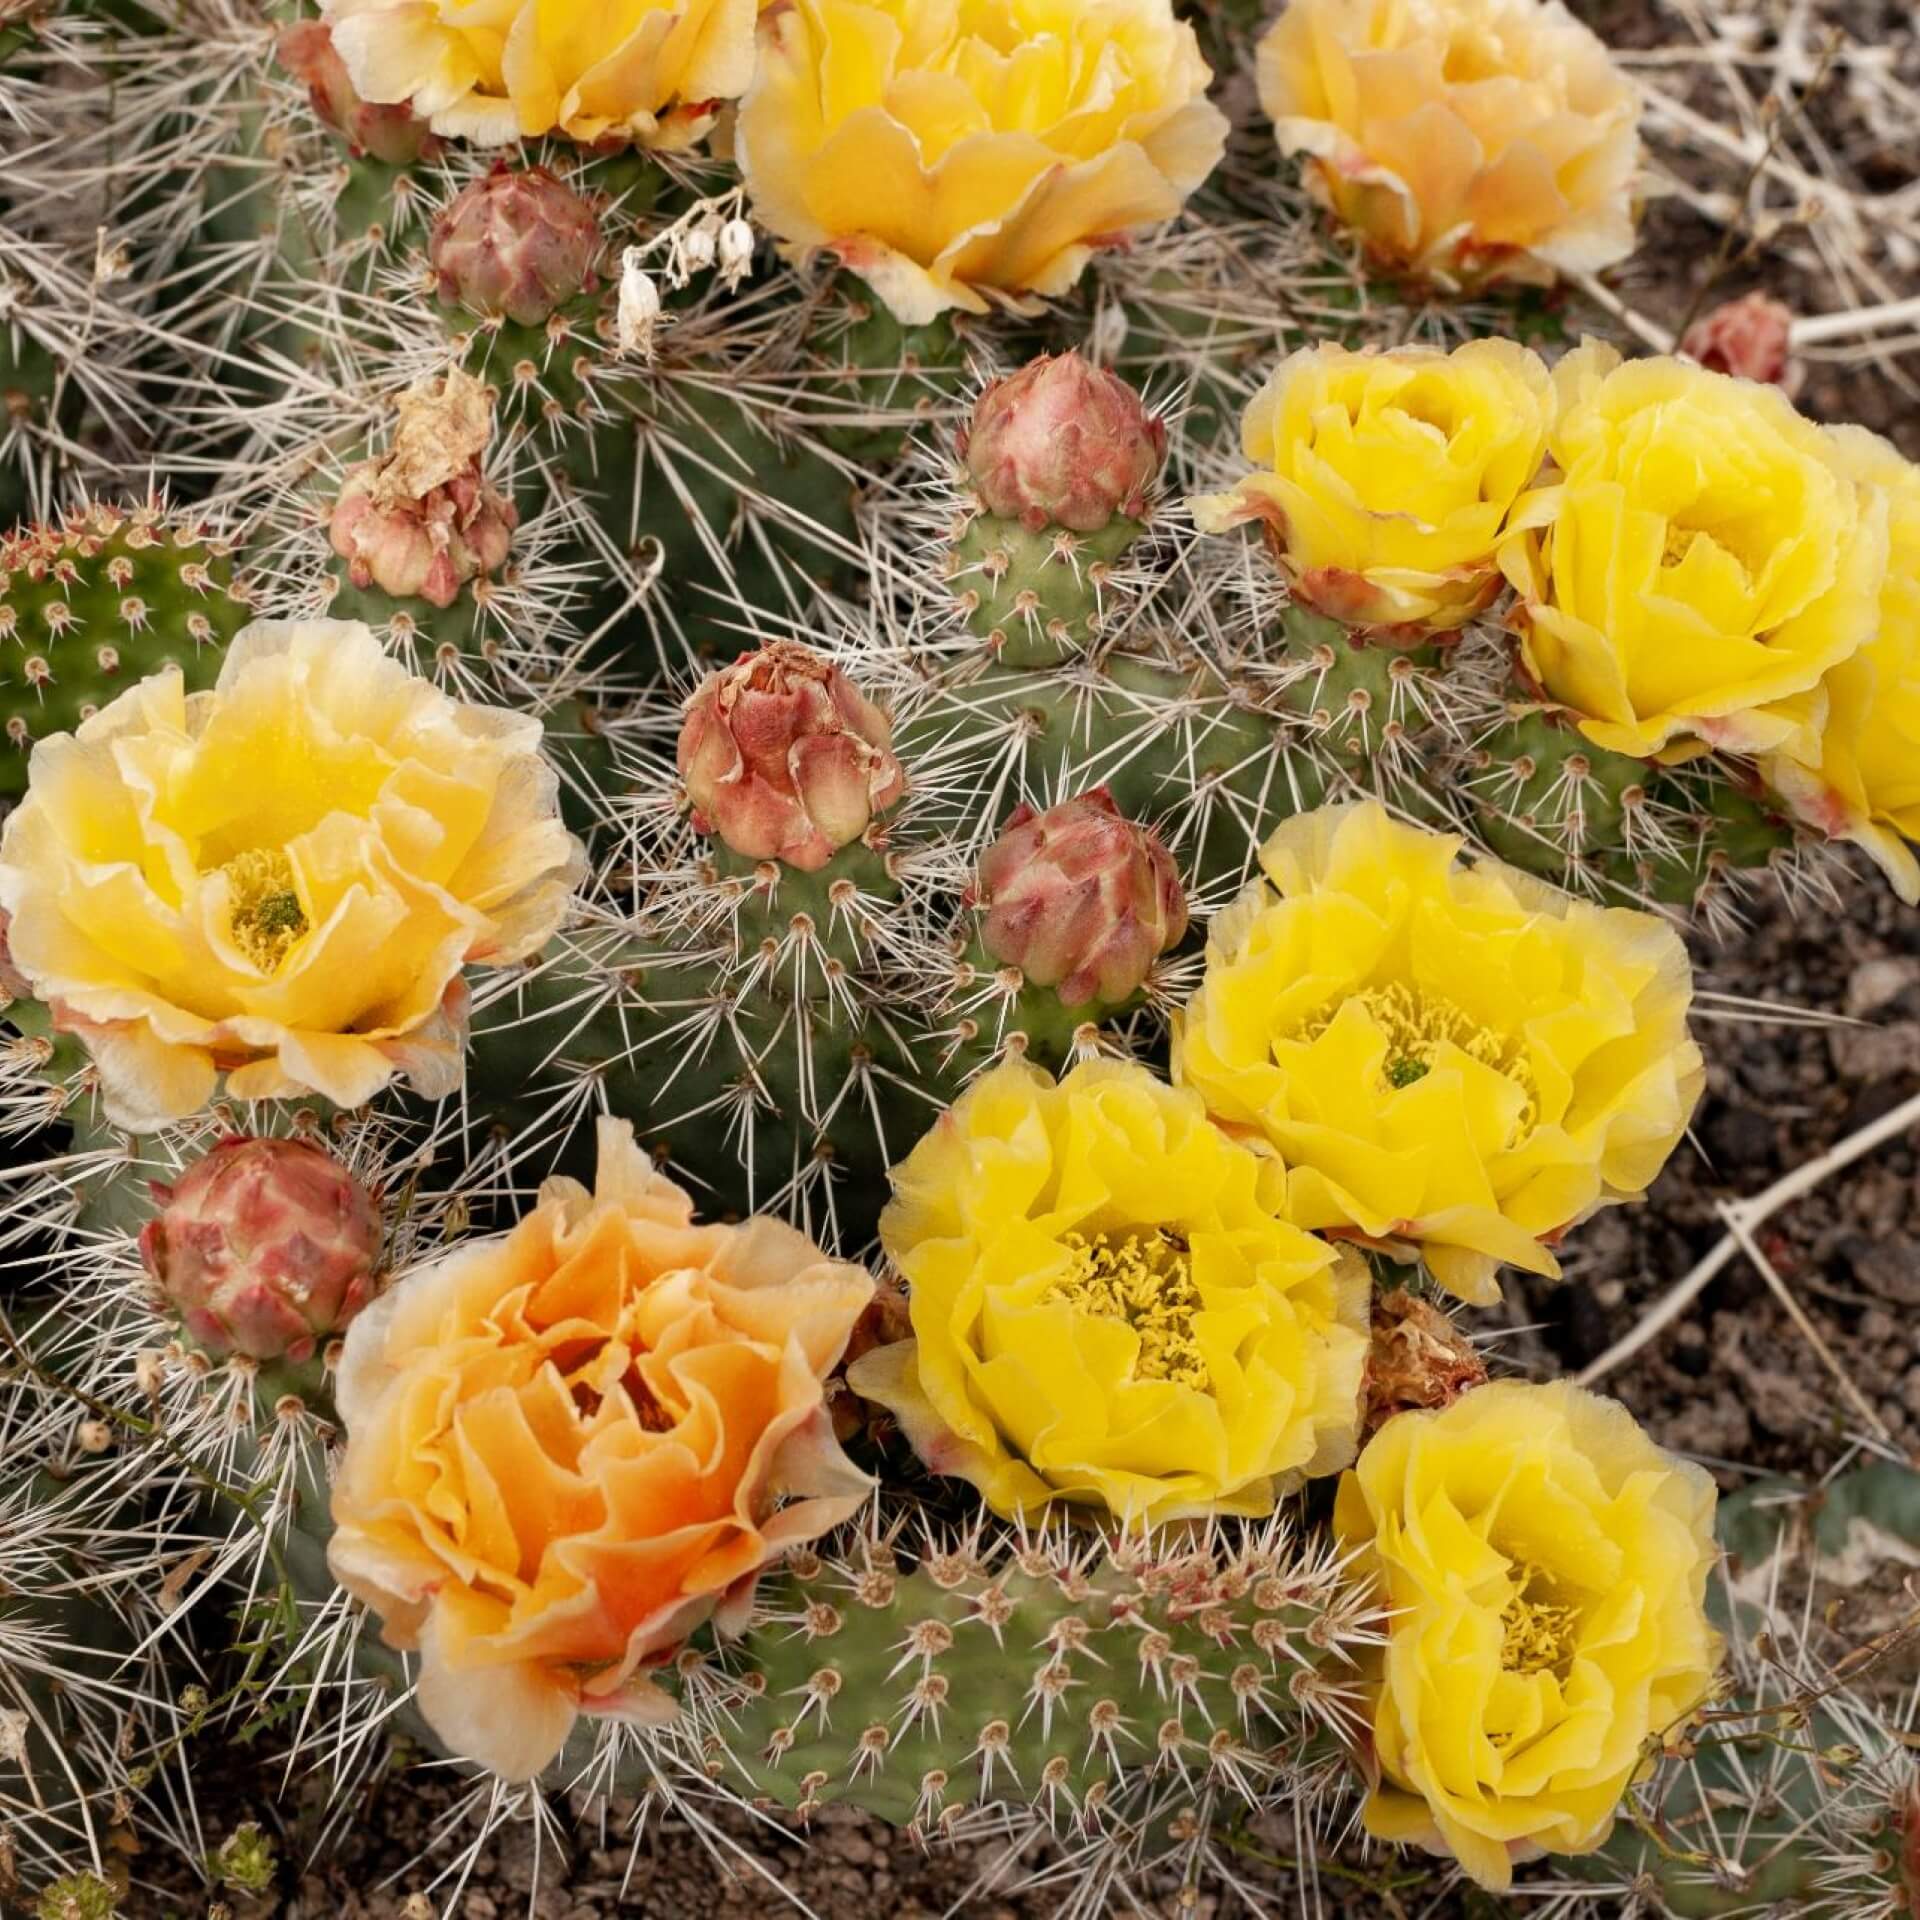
{"x":1417,"y":1024}
{"x":1144,"y":1280}
{"x":1536,"y":1635}
{"x":266,"y":916}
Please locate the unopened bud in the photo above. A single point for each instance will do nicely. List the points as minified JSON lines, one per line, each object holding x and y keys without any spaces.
{"x":736,"y":252}
{"x":1063,"y":443}
{"x":1080,"y":899}
{"x":1751,"y":338}
{"x":784,"y":758}
{"x":515,"y":243}
{"x":263,"y":1248}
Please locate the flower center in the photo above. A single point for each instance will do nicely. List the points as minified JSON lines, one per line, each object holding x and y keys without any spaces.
{"x":266,"y":918}
{"x":1146,"y":1281}
{"x":1536,"y":1635}
{"x":1417,"y":1024}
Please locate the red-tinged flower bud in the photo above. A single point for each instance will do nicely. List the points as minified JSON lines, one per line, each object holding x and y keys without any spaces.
{"x":420,"y":521}
{"x":785,"y":758}
{"x":265,"y":1247}
{"x":1080,"y":899}
{"x":519,"y":244}
{"x":392,"y":134}
{"x":1064,"y":444}
{"x":1750,"y":337}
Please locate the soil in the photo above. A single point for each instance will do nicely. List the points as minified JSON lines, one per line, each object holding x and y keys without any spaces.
{"x":1735,"y":1381}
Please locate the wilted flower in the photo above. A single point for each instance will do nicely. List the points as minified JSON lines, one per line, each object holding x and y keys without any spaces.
{"x":647,"y":71}
{"x":1544,"y":1566}
{"x":785,"y":758}
{"x":1081,"y":899}
{"x":281,"y":879}
{"x":1464,"y":141}
{"x":1384,"y":480}
{"x":393,"y":134}
{"x":421,"y":519}
{"x":967,"y":156}
{"x":263,"y":1247}
{"x":1458,"y":1061}
{"x":1416,"y":1358}
{"x":570,"y":1446}
{"x":1108,"y":1308}
{"x":1858,"y":777}
{"x":1750,"y":338}
{"x":519,"y":243}
{"x":1702,"y":560}
{"x":1063,"y":443}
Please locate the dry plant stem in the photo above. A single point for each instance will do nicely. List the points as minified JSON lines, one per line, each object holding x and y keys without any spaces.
{"x":1823,"y":327}
{"x":1745,"y":1215}
{"x":1751,"y":1248}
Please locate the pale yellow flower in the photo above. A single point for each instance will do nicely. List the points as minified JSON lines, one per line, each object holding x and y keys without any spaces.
{"x":281,"y":879}
{"x":1859,"y":779}
{"x":1701,"y":561}
{"x":1384,"y":480}
{"x":966,"y":153}
{"x":1546,"y":1567}
{"x":568,"y":1447}
{"x":497,"y":71}
{"x":1107,"y":1308}
{"x":1464,"y":141}
{"x":1455,"y":1061}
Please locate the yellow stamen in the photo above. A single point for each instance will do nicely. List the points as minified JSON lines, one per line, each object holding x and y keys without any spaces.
{"x":1417,"y":1024}
{"x":1145,"y":1280}
{"x":266,"y":917}
{"x":1536,"y":1635}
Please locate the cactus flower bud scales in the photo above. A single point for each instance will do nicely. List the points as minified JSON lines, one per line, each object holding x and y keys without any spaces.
{"x":264,"y":1247}
{"x":1066,"y":444}
{"x":515,"y":243}
{"x":784,"y":758}
{"x":1081,"y":899}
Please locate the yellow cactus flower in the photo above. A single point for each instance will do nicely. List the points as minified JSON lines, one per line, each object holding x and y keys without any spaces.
{"x":1546,"y":1567}
{"x":1701,"y":561}
{"x":281,"y":879}
{"x":497,"y":71}
{"x":1463,"y":141}
{"x":1385,"y":479}
{"x":1107,"y":1308}
{"x":571,"y":1445}
{"x":970,"y":153}
{"x":1859,"y":779}
{"x":1452,"y":1060}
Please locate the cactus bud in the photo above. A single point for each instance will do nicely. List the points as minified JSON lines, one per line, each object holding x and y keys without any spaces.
{"x":263,"y":1248}
{"x":392,"y":134}
{"x":1750,"y":337}
{"x":784,"y":758}
{"x":1063,"y":443}
{"x":519,"y":244}
{"x":421,"y":520}
{"x":1080,"y":899}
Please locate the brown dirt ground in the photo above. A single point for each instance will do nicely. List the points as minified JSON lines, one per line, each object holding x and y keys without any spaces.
{"x":1734,"y":1381}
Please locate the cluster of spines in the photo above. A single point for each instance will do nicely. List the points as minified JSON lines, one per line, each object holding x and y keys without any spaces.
{"x":94,"y":604}
{"x":1054,"y":1673}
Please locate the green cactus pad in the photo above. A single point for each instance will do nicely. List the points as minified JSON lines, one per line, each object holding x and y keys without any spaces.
{"x":92,"y":607}
{"x":1039,"y":598}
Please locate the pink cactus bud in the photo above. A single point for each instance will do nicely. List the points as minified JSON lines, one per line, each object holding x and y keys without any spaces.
{"x":1064,"y":444}
{"x":1750,"y":337}
{"x":420,"y":521}
{"x":519,"y":244}
{"x":391,"y":134}
{"x":265,"y":1247}
{"x":784,"y":758}
{"x":1081,"y":899}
